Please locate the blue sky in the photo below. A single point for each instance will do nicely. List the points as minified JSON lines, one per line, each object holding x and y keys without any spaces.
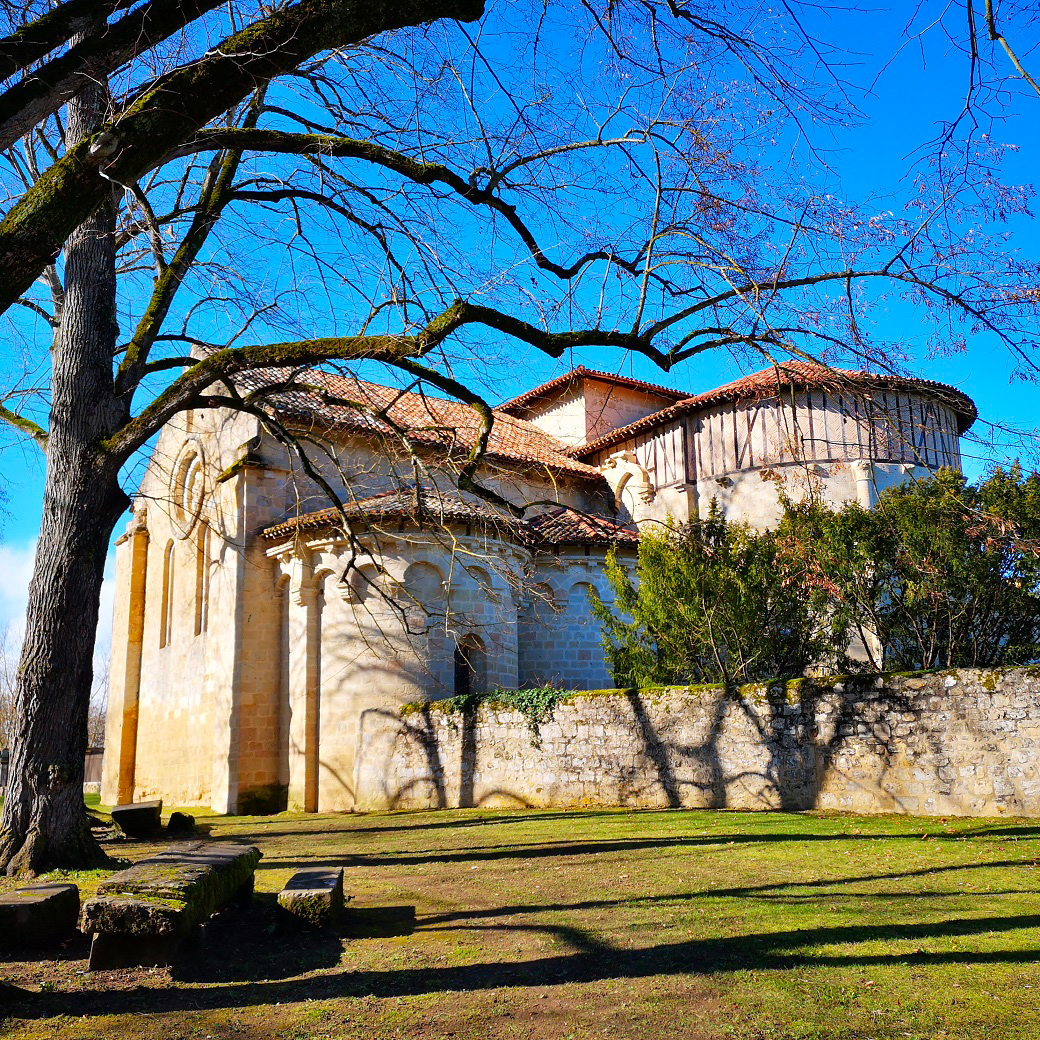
{"x":920,"y":84}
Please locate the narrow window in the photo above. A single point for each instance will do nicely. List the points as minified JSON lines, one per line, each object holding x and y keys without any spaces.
{"x":470,"y":666}
{"x":202,"y":580}
{"x":166,"y":617}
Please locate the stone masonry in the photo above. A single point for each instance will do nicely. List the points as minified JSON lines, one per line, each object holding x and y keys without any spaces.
{"x":962,"y":742}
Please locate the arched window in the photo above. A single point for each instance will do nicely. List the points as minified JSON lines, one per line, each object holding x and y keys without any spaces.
{"x":423,"y":594}
{"x":578,"y":602}
{"x":202,"y":580}
{"x":166,"y":616}
{"x":470,"y":666}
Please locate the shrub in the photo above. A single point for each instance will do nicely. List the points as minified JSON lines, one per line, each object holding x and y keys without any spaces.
{"x":716,"y":602}
{"x":536,"y":704}
{"x":940,"y":574}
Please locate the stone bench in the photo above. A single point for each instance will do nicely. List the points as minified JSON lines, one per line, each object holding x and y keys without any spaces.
{"x":142,"y":915}
{"x":314,"y":897}
{"x":139,"y":819}
{"x":41,"y":915}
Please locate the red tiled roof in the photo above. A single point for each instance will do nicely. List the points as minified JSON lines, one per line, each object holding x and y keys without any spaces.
{"x":790,"y":375}
{"x":341,"y":402}
{"x":581,"y":372}
{"x":419,"y":506}
{"x":560,"y":525}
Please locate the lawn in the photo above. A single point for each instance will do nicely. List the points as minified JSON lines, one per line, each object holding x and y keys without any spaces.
{"x":595,"y":924}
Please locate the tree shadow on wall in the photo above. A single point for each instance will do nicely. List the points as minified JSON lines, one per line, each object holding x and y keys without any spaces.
{"x":664,"y":754}
{"x":417,"y":728}
{"x":787,"y":739}
{"x":787,"y":730}
{"x":468,"y":753}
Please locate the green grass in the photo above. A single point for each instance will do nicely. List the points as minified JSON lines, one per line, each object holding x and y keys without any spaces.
{"x":599,"y":923}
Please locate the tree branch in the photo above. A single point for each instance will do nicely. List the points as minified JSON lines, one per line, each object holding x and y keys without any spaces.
{"x":33,"y":98}
{"x":176,"y":106}
{"x":396,"y":350}
{"x":998,"y":37}
{"x":25,"y":426}
{"x":37,"y":39}
{"x":426,"y":173}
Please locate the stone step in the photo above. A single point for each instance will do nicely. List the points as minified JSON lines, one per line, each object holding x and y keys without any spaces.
{"x":139,"y":819}
{"x":314,"y":897}
{"x":40,"y":915}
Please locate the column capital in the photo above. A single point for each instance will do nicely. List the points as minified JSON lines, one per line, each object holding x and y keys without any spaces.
{"x":302,"y":590}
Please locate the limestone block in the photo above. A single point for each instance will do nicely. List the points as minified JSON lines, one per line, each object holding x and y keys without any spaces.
{"x":315,"y":897}
{"x":40,"y":915}
{"x":139,"y":819}
{"x":141,"y":915}
{"x":133,"y":916}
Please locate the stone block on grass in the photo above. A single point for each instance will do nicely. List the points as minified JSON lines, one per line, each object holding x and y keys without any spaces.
{"x":180,"y":824}
{"x":144,"y":915}
{"x":314,"y":897}
{"x":40,"y":915}
{"x":139,"y":819}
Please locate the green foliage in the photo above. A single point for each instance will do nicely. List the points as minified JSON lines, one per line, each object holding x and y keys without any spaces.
{"x":536,"y":704}
{"x":714,"y":602}
{"x":940,"y":574}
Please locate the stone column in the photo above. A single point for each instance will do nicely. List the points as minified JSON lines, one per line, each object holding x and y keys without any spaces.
{"x":117,"y":784}
{"x":304,"y":684}
{"x":866,"y":489}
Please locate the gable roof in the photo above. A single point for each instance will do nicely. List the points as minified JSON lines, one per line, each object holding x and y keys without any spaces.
{"x":422,"y":506}
{"x":581,"y":372}
{"x":788,"y":376}
{"x":336,"y":402}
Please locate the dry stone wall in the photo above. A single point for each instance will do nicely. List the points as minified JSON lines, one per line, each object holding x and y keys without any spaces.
{"x":964,"y":742}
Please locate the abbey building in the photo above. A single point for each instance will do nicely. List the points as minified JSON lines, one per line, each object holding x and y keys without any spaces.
{"x":257,"y":631}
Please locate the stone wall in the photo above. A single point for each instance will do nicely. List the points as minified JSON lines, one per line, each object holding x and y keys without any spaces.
{"x":953,"y":743}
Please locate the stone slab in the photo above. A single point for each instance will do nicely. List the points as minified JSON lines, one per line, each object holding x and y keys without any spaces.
{"x":139,"y":819}
{"x":314,"y":897}
{"x":149,"y":909}
{"x":39,"y":915}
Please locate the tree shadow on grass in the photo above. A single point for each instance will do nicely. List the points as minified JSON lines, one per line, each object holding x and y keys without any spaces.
{"x":590,"y":961}
{"x":461,"y":820}
{"x":264,"y":943}
{"x":540,"y":850}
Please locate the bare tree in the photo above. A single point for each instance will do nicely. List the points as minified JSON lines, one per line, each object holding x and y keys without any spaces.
{"x":407,"y":182}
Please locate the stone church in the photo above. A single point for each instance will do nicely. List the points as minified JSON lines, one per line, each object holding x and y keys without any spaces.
{"x":256,"y":628}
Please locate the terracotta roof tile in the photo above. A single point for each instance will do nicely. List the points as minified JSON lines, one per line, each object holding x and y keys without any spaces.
{"x":581,"y":372}
{"x":789,"y":375}
{"x":560,"y":525}
{"x":340,"y":402}
{"x":419,"y":506}
{"x":565,"y":526}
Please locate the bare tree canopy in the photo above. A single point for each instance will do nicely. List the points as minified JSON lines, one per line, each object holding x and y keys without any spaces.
{"x":193,"y":190}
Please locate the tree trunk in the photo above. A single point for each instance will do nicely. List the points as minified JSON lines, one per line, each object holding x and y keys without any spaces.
{"x":44,"y":824}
